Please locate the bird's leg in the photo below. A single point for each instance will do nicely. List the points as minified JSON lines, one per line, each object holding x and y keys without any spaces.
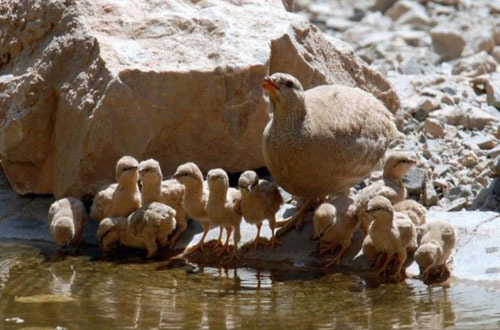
{"x":224,"y":249}
{"x":335,"y":261}
{"x":380,"y":258}
{"x":236,"y":238}
{"x":400,"y":260}
{"x":151,"y":246}
{"x":327,"y":248}
{"x":199,"y":246}
{"x":384,"y":266}
{"x":218,"y":243}
{"x":181,"y":227}
{"x":296,"y":220}
{"x":426,"y":272}
{"x":273,"y":241}
{"x":257,"y":239}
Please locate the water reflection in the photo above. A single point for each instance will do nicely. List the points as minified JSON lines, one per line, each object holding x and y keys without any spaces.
{"x":137,"y":295}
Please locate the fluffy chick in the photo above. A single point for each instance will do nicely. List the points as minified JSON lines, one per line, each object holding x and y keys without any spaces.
{"x":122,"y":198}
{"x":322,"y":141}
{"x":388,"y":235}
{"x":437,"y":242}
{"x":224,"y":206}
{"x":391,"y":186}
{"x":413,"y":209}
{"x":67,"y":219}
{"x":334,"y":224}
{"x":195,"y":197}
{"x":147,"y":227}
{"x":261,"y":200}
{"x":169,"y":192}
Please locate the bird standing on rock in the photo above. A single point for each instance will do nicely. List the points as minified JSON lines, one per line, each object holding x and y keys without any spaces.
{"x":224,"y":207}
{"x":324,"y":140}
{"x":195,"y":197}
{"x":261,"y":200}
{"x":389,"y":235}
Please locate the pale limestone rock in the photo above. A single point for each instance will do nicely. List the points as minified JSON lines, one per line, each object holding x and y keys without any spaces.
{"x":493,"y":90}
{"x":475,"y":65}
{"x":434,"y":128}
{"x":84,"y":82}
{"x":447,"y":42}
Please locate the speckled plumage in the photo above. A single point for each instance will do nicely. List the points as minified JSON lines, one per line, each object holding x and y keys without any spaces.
{"x":324,"y":140}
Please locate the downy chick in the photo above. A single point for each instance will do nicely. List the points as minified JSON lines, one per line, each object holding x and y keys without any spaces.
{"x":416,"y":211}
{"x":261,"y":200}
{"x":147,"y":227}
{"x":391,"y":186}
{"x":169,"y":192}
{"x":122,"y":198}
{"x":335,"y":224}
{"x":67,"y":219}
{"x":195,"y":197}
{"x":388,"y":235}
{"x":437,"y":242}
{"x":224,"y":206}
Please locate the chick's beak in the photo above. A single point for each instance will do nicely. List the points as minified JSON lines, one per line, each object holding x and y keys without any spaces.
{"x":269,"y":85}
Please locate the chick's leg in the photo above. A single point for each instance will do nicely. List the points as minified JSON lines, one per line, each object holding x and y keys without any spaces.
{"x":384,"y":266}
{"x":181,"y":227}
{"x":335,"y":261}
{"x":218,"y":243}
{"x":236,"y":237}
{"x":274,"y":240}
{"x":199,"y":246}
{"x":256,"y":242}
{"x":400,"y":259}
{"x":224,"y":249}
{"x":296,"y":220}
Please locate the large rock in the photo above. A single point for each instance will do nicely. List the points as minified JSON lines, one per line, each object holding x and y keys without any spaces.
{"x":84,"y":82}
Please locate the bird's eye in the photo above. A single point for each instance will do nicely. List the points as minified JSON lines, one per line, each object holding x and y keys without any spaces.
{"x":289,"y":84}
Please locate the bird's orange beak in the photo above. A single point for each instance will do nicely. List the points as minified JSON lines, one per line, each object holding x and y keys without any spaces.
{"x":268,"y":84}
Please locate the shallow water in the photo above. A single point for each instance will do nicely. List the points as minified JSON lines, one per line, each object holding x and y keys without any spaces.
{"x":39,"y":289}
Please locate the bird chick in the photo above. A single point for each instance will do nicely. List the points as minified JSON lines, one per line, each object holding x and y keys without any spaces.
{"x":391,"y":185}
{"x":388,"y":235}
{"x":261,"y":200}
{"x":437,"y":242}
{"x":67,"y":219}
{"x":195,"y":197}
{"x":322,"y":141}
{"x":224,"y":206}
{"x":122,"y":198}
{"x":413,"y":209}
{"x":169,"y":192}
{"x":334,"y":224}
{"x":147,"y":227}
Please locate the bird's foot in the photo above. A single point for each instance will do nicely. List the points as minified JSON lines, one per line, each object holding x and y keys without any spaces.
{"x":197,"y":247}
{"x":324,"y":248}
{"x":296,"y":220}
{"x":256,"y":243}
{"x":215,"y":244}
{"x":234,"y":255}
{"x":223,"y":250}
{"x":274,"y":241}
{"x":335,"y":261}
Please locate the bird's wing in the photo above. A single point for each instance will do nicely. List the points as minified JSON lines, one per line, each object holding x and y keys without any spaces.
{"x":407,"y":232}
{"x":52,"y":211}
{"x":270,"y":192}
